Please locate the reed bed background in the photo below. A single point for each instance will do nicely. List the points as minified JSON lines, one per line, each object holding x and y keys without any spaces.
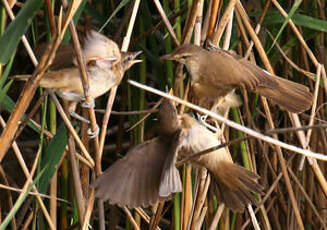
{"x":45,"y":186}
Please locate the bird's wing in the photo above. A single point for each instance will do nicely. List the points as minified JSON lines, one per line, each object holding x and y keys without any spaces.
{"x":134,"y":180}
{"x":66,"y":79}
{"x":242,"y":72}
{"x":170,"y":179}
{"x":99,"y":47}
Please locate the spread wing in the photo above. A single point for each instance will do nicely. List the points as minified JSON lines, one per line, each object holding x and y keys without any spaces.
{"x":134,"y":180}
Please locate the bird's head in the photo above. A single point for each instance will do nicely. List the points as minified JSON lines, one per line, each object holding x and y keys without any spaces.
{"x":184,"y":54}
{"x":128,"y":59}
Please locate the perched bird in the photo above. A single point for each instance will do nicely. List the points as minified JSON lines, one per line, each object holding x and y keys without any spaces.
{"x":233,"y":185}
{"x":217,"y":72}
{"x":105,"y":63}
{"x":147,"y":173}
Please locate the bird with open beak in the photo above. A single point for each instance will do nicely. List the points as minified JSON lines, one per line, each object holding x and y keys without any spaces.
{"x":216,"y":72}
{"x":147,"y":173}
{"x":106,"y":66}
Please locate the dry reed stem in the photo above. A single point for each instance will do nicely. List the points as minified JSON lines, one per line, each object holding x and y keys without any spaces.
{"x":29,"y":181}
{"x":217,"y":216}
{"x":31,"y":114}
{"x":205,"y":27}
{"x":190,"y":22}
{"x":230,"y":123}
{"x":307,"y":138}
{"x":306,"y":196}
{"x":290,"y":62}
{"x":297,"y":33}
{"x":187,"y":197}
{"x":28,"y":221}
{"x":80,"y":199}
{"x":105,"y":119}
{"x":110,"y":102}
{"x":224,"y":20}
{"x":313,"y":163}
{"x":88,"y":98}
{"x":53,"y":199}
{"x":166,"y":22}
{"x":145,"y":216}
{"x":213,"y":17}
{"x":200,"y":198}
{"x":198,"y":26}
{"x":253,"y":218}
{"x":269,"y":117}
{"x":51,"y":17}
{"x":13,"y":221}
{"x":156,"y":217}
{"x":201,"y":218}
{"x":26,"y":96}
{"x":88,"y":211}
{"x":258,"y":27}
{"x":131,"y":219}
{"x":30,"y":193}
{"x":22,"y":164}
{"x":269,"y":191}
{"x":71,"y":129}
{"x":324,"y":78}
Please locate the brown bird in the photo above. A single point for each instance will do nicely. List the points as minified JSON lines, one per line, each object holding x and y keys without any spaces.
{"x":233,"y":185}
{"x":215,"y":73}
{"x":106,"y":66}
{"x":147,"y":173}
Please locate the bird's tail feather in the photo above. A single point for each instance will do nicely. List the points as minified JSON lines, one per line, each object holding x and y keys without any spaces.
{"x":289,"y":95}
{"x":235,"y":186}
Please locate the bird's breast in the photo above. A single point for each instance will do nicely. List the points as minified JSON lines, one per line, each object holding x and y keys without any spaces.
{"x":100,"y":81}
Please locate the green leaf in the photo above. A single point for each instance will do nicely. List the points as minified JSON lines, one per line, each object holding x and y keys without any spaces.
{"x":9,"y":105}
{"x":3,"y":92}
{"x":121,"y":5}
{"x":10,"y":39}
{"x":299,"y":20}
{"x":285,"y":22}
{"x":52,"y":156}
{"x":7,"y":71}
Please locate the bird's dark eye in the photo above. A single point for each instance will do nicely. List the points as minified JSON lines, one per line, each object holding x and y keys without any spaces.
{"x":128,"y":58}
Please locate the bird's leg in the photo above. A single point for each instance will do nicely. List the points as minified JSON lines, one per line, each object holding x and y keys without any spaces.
{"x":91,"y":134}
{"x":72,"y":108}
{"x":90,"y":104}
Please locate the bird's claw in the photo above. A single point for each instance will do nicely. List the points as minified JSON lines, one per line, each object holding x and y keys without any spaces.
{"x":90,"y":104}
{"x":92,"y":134}
{"x":79,"y":117}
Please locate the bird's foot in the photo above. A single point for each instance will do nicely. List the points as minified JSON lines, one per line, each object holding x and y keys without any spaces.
{"x":90,"y":104}
{"x":78,"y":117}
{"x":93,"y":134}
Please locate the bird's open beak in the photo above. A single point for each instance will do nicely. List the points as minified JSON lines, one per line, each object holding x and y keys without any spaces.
{"x":135,"y":54}
{"x":167,"y":57}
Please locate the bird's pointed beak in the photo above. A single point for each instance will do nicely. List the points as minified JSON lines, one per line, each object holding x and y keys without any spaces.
{"x":167,"y":57}
{"x":135,"y":54}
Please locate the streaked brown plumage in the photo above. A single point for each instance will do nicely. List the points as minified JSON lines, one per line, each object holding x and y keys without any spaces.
{"x":215,"y":73}
{"x":148,"y":173}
